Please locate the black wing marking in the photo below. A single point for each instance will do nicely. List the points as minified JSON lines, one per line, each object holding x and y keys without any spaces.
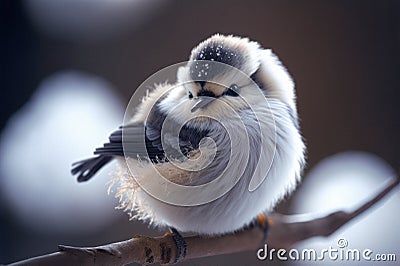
{"x":145,"y":142}
{"x":133,"y":141}
{"x":87,"y":168}
{"x":137,"y":140}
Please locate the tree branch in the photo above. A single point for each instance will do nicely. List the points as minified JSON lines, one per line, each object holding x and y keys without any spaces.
{"x":143,"y":249}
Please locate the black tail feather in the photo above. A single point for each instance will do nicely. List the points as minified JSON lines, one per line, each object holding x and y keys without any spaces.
{"x":89,"y":167}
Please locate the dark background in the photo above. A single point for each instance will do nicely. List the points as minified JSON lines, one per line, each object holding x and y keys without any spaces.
{"x":343,"y":56}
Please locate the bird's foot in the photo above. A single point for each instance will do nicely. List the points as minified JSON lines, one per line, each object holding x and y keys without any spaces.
{"x":263,"y":222}
{"x":180,"y":244}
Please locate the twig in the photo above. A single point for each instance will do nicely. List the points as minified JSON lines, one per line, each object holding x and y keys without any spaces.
{"x":143,"y":249}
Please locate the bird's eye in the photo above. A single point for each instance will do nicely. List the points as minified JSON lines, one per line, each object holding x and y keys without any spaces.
{"x":190,"y":95}
{"x":232,"y":90}
{"x":234,"y":87}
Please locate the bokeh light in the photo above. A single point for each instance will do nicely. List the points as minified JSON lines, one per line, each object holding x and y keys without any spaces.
{"x":88,"y":20}
{"x":67,"y":117}
{"x":343,"y":182}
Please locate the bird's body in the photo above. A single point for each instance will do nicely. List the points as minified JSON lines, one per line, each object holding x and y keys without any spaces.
{"x":238,"y":132}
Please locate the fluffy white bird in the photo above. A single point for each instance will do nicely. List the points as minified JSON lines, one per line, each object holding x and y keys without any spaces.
{"x":227,"y":133}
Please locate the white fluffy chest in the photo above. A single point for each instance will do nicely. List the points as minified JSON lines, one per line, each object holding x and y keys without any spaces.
{"x":267,"y":151}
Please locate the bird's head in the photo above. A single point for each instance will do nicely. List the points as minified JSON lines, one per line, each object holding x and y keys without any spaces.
{"x":219,"y":68}
{"x":226,"y":73}
{"x":237,"y":72}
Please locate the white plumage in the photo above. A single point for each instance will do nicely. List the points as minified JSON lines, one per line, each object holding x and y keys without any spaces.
{"x":263,"y":118}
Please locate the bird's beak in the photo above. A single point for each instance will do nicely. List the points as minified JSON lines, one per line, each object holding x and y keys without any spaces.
{"x":202,"y":102}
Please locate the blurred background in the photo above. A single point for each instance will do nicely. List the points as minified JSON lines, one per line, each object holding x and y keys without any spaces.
{"x":68,"y":69}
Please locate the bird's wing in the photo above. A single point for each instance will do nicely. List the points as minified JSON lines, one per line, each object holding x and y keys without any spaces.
{"x":133,"y":140}
{"x":137,"y":140}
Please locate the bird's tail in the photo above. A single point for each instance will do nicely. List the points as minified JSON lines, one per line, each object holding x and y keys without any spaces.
{"x":89,"y":167}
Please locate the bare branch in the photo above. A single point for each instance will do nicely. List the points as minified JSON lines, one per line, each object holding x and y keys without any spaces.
{"x":143,"y":249}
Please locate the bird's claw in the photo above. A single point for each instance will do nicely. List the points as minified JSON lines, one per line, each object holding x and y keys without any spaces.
{"x":263,"y":222}
{"x":180,"y":245}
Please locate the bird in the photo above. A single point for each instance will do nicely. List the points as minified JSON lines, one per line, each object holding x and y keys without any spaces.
{"x":213,"y":151}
